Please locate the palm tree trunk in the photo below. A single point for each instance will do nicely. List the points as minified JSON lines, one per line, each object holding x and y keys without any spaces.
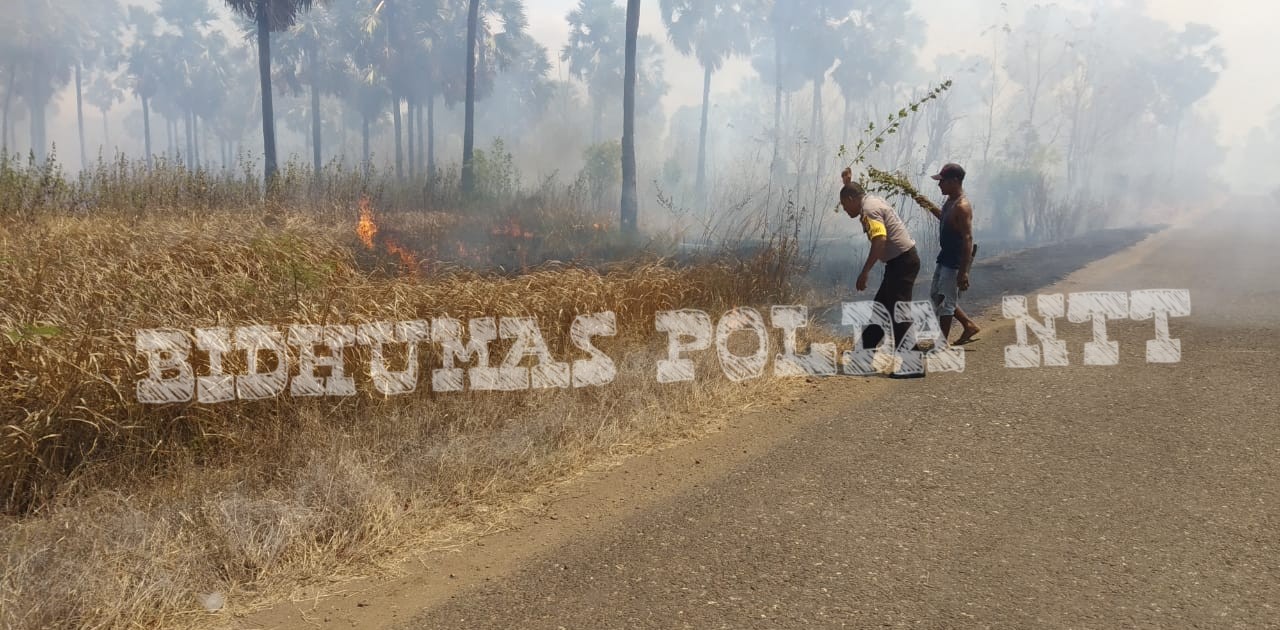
{"x":395,"y":117}
{"x":37,"y":105}
{"x":422,"y":149}
{"x":777,"y":98}
{"x":313,"y":58}
{"x":5,"y":131}
{"x":431,"y":136}
{"x":342,"y":138}
{"x":469,"y":132}
{"x":146,"y":130}
{"x":315,"y":128}
{"x":630,"y":202}
{"x":84,"y":157}
{"x":195,"y":140}
{"x":264,"y":74}
{"x":188,"y":137}
{"x":364,"y":131}
{"x":413,"y":162}
{"x":701,"y":184}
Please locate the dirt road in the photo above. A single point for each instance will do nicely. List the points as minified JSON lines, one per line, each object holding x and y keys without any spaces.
{"x":1137,"y":495}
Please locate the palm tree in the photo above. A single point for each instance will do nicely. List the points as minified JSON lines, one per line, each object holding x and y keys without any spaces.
{"x":771,"y":30}
{"x":303,"y":51}
{"x":144,"y":68}
{"x":101,"y":23}
{"x":469,"y":132}
{"x":592,"y":52}
{"x":711,"y":31}
{"x":876,"y":50}
{"x":629,"y":201}
{"x":103,"y":93}
{"x":269,"y":15}
{"x":46,"y":58}
{"x":595,"y":54}
{"x":362,"y":79}
{"x":193,"y":72}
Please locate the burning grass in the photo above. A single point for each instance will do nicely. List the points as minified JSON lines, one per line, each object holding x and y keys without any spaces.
{"x":121,"y":515}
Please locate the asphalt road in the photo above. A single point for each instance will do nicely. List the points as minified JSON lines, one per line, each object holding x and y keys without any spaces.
{"x":1136,"y":495}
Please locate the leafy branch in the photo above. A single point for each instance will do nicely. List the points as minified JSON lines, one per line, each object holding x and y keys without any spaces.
{"x":891,"y":184}
{"x":892,"y":125}
{"x":879,"y":181}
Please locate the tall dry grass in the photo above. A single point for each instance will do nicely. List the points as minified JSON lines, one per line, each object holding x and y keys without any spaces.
{"x":123,"y":515}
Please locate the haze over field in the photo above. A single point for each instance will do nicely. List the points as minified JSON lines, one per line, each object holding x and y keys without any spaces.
{"x":1125,"y":100}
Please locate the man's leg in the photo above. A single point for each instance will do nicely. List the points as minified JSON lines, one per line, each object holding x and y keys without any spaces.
{"x":903,"y":285}
{"x":940,"y":293}
{"x":970,"y":329}
{"x":874,"y":334}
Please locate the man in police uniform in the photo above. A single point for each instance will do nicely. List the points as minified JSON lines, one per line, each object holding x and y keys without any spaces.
{"x":891,"y":244}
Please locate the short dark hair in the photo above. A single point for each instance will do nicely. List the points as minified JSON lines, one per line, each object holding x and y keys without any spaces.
{"x":852,"y":190}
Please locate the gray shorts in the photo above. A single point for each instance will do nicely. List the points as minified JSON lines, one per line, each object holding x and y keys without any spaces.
{"x":945,"y":291}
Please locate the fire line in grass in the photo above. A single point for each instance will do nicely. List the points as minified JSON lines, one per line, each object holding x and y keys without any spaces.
{"x":367,"y":230}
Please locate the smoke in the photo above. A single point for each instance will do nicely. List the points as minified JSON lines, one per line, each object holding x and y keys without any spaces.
{"x":1112,"y":108}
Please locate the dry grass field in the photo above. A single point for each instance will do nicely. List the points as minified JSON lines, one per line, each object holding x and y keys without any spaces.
{"x":119,"y":514}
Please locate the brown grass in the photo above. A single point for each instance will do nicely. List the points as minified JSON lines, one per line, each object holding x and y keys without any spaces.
{"x":122,"y":515}
{"x":114,"y":514}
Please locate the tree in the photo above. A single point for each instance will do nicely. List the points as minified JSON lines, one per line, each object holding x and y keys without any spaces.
{"x":469,"y":132}
{"x":877,"y":49}
{"x":42,"y":33}
{"x":1187,"y":72}
{"x":9,"y":78}
{"x":1037,"y":58}
{"x":194,"y":76}
{"x":98,"y":46}
{"x":362,"y":80}
{"x":772,"y":26}
{"x":102,"y":94}
{"x":303,"y":63}
{"x":269,"y":15}
{"x":144,"y":68}
{"x":629,"y":196}
{"x":595,"y":54}
{"x":710,"y":31}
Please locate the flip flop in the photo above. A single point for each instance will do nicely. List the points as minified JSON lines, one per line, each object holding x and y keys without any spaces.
{"x":966,"y":338}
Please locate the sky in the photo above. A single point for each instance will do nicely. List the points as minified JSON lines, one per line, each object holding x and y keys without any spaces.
{"x":1246,"y":91}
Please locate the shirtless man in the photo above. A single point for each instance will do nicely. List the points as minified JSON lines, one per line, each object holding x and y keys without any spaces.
{"x":955,"y":235}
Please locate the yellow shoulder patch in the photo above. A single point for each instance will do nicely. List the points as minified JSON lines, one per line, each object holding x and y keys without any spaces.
{"x":874,"y":229}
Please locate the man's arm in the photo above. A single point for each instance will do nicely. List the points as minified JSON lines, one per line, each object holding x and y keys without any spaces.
{"x":927,"y":205}
{"x":878,"y":244}
{"x":962,"y":222}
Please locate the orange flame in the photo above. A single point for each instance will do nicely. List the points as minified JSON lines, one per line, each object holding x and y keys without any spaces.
{"x":511,"y":229}
{"x":366,"y":228}
{"x":406,"y":257}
